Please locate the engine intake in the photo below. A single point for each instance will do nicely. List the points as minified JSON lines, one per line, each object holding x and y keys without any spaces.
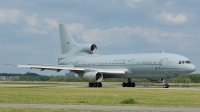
{"x":93,"y":76}
{"x":88,"y":48}
{"x":93,"y":48}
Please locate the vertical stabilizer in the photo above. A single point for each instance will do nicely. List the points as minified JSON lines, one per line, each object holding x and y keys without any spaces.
{"x":67,"y":42}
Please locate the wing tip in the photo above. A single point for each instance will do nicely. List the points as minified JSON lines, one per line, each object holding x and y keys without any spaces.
{"x":11,"y":64}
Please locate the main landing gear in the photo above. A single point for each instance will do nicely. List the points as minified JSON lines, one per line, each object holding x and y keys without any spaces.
{"x":128,"y":84}
{"x":98,"y":84}
{"x":165,"y":83}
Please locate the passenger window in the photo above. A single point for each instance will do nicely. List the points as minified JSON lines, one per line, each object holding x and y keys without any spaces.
{"x":179,"y":62}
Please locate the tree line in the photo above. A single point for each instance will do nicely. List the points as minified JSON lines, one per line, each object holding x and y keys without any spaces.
{"x":189,"y":78}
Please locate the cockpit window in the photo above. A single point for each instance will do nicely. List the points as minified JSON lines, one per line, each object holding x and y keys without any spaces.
{"x":184,"y":62}
{"x":187,"y":62}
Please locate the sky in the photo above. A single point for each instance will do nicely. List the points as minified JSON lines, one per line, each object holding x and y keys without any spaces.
{"x":29,"y":29}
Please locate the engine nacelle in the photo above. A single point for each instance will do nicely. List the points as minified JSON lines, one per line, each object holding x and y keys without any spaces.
{"x":88,"y":48}
{"x":93,"y":76}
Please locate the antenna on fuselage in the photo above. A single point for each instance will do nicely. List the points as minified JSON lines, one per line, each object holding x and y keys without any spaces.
{"x":163,"y":52}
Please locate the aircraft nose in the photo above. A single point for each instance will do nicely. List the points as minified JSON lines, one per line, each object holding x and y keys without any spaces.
{"x":192,"y":68}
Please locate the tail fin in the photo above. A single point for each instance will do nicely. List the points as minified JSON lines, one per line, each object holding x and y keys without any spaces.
{"x":67,"y":42}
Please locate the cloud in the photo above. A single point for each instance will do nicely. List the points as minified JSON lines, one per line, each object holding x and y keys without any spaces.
{"x":116,"y":34}
{"x":176,"y":35}
{"x":131,"y":35}
{"x":97,"y":36}
{"x":15,"y":47}
{"x":75,"y":28}
{"x":131,"y":3}
{"x":167,"y":17}
{"x":33,"y":30}
{"x":52,"y":24}
{"x":47,"y":26}
{"x":10,"y":15}
{"x":31,"y":20}
{"x":123,"y":36}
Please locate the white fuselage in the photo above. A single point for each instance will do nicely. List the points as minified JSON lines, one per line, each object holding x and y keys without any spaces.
{"x":148,"y":65}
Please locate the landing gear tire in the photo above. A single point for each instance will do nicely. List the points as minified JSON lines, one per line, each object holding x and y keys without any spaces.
{"x":95,"y":84}
{"x":124,"y":84}
{"x":98,"y":84}
{"x":165,"y":86}
{"x":90,"y":84}
{"x":129,"y":84}
{"x":133,"y":84}
{"x":165,"y":80}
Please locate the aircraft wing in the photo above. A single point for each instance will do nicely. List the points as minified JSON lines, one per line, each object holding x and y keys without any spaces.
{"x":48,"y":67}
{"x":112,"y":71}
{"x":70,"y":68}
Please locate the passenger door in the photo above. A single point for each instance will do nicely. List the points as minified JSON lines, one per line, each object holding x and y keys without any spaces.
{"x":164,"y":63}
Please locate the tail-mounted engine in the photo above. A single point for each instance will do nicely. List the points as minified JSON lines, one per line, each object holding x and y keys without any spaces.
{"x":93,"y":76}
{"x":88,"y":48}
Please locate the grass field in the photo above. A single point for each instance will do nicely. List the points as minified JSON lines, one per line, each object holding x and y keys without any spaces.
{"x":109,"y":94}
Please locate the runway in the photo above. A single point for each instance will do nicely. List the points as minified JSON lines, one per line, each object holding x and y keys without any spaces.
{"x":101,"y":107}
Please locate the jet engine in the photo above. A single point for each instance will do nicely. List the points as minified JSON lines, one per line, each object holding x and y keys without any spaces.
{"x":93,"y":76}
{"x":88,"y":48}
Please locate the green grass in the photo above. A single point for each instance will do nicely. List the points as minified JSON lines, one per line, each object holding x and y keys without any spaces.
{"x":110,"y":94}
{"x":128,"y":101}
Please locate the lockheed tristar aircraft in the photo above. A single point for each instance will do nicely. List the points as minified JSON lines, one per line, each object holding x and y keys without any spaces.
{"x":82,"y":60}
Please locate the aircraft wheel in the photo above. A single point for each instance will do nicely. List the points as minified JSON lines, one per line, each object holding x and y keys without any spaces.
{"x":133,"y":84}
{"x":90,"y":84}
{"x":124,"y":84}
{"x":165,"y":86}
{"x":129,"y":84}
{"x":95,"y":84}
{"x":99,"y":84}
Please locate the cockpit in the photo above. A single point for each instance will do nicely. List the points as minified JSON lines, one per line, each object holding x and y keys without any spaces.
{"x":184,"y":62}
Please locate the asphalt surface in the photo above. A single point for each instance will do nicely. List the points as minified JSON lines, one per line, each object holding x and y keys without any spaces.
{"x":100,"y":107}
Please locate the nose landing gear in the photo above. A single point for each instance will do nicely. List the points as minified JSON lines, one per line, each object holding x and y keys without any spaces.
{"x":165,"y":86}
{"x":165,"y":83}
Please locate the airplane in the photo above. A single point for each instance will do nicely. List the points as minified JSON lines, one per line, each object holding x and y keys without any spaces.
{"x":81,"y":59}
